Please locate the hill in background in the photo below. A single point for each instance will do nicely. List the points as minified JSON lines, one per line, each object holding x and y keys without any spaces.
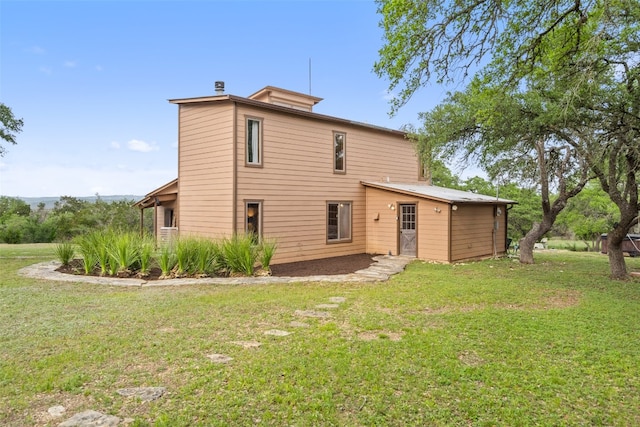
{"x":50,"y":201}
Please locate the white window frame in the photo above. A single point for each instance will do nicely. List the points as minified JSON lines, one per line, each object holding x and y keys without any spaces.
{"x":255,"y":142}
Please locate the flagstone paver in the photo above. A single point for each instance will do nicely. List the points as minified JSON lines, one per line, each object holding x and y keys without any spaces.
{"x":91,"y":419}
{"x":146,"y":394}
{"x":312,"y":313}
{"x":277,"y":333}
{"x":219,"y":358}
{"x":327,"y":306}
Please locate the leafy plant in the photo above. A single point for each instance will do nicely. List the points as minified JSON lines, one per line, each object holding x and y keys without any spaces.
{"x":65,"y":252}
{"x":166,"y":260}
{"x":147,"y":246}
{"x":87,"y":247}
{"x":124,"y":250}
{"x":240,"y":254}
{"x":267,"y":250}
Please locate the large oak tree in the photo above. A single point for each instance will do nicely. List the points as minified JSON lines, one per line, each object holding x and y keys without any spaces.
{"x":588,"y":51}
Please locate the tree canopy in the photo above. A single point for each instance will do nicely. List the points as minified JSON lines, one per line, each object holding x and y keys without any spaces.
{"x":556,"y":85}
{"x":10,"y":126}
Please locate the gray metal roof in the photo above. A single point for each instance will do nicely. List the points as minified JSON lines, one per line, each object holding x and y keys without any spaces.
{"x":439,"y":193}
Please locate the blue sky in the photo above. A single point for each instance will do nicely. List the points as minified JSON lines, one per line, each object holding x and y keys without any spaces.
{"x":91,"y":80}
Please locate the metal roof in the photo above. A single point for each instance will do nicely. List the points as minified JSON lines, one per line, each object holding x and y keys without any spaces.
{"x":443,"y":194}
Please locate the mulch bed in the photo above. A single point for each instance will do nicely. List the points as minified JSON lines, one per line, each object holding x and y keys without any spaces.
{"x":318,"y":267}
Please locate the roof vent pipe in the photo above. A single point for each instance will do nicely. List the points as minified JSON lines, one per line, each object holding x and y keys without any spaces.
{"x":219,"y":87}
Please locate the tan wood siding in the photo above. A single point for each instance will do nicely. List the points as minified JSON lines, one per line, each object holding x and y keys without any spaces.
{"x":432,"y":226}
{"x":297,"y":180}
{"x":473,"y":232}
{"x":206,"y":169}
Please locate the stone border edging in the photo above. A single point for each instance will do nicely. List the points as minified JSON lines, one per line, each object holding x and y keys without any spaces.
{"x":384,"y":267}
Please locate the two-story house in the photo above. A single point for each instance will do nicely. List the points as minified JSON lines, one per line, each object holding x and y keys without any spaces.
{"x":322,"y":186}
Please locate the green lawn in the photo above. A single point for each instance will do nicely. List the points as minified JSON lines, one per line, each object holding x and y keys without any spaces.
{"x":482,"y":344}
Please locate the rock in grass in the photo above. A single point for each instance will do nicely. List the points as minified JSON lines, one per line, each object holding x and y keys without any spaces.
{"x":91,"y":419}
{"x":219,"y":358}
{"x":146,"y":394}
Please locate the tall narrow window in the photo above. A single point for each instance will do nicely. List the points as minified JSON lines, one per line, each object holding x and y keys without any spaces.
{"x":339,"y":221}
{"x":253,"y":224}
{"x":339,"y":152}
{"x":254,"y":143}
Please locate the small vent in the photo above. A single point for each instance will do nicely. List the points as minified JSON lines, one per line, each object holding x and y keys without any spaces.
{"x":219,"y":87}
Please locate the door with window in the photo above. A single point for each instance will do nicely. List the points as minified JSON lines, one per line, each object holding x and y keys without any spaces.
{"x":408,"y":235}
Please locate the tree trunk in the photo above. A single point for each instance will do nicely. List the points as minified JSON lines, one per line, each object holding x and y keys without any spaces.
{"x":616,"y":262}
{"x":529,"y":240}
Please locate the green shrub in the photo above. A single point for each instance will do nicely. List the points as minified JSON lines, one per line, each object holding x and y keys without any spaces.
{"x":87,"y":248}
{"x":166,"y":259}
{"x":147,"y":246}
{"x":65,"y":252}
{"x":124,"y":250}
{"x":267,"y":250}
{"x":240,"y":254}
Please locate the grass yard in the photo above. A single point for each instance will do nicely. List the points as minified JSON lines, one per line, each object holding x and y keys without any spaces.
{"x":482,"y":344}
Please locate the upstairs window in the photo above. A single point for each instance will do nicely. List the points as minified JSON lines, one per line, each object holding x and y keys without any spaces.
{"x":254,"y":142}
{"x":338,"y":222}
{"x":339,"y":152}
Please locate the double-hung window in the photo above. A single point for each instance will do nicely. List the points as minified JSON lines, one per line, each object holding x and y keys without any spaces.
{"x":338,"y":222}
{"x":254,"y":142}
{"x":339,"y":152}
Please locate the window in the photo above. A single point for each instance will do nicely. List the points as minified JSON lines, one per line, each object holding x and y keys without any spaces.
{"x":339,"y":152}
{"x":254,"y":141}
{"x":168,"y":218}
{"x":338,"y":221}
{"x":253,"y":225}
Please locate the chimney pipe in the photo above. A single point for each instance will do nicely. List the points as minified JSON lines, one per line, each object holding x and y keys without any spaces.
{"x":219,"y":87}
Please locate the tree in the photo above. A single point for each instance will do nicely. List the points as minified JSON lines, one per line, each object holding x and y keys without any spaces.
{"x":590,"y":214}
{"x":10,"y":126}
{"x":587,"y":50}
{"x":514,"y":136}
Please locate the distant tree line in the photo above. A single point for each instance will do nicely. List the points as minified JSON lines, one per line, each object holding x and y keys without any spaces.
{"x":69,"y":217}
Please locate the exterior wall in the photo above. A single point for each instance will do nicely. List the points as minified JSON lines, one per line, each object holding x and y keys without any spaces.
{"x":296,"y":179}
{"x":205,"y":169}
{"x":383,"y":225}
{"x":472,"y":234}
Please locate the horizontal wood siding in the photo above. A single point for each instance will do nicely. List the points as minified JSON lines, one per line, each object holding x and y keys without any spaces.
{"x":296,"y":180}
{"x":206,"y":169}
{"x":432,"y":227}
{"x":473,"y":234}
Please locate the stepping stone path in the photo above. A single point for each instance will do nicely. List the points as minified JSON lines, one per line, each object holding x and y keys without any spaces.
{"x":327,"y":306}
{"x":277,"y":333}
{"x":91,"y":419}
{"x":312,"y":313}
{"x":299,"y":324}
{"x":219,"y":358}
{"x":247,"y":344}
{"x":146,"y":394}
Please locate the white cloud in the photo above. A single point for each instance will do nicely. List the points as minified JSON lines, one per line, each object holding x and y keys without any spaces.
{"x":70,"y":64}
{"x":388,"y":96}
{"x":142,"y":146}
{"x":115,"y":145}
{"x":46,"y":70}
{"x":56,"y":181}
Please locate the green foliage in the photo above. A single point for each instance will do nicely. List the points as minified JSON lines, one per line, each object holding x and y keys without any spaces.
{"x":166,"y":259}
{"x":266,"y":250}
{"x":240,"y":254}
{"x":65,"y":252}
{"x":146,"y":250}
{"x":9,"y":126}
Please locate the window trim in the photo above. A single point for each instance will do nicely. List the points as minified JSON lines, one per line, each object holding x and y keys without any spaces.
{"x":260,"y":203}
{"x":344,"y":150}
{"x":258,"y":163}
{"x":339,"y":240}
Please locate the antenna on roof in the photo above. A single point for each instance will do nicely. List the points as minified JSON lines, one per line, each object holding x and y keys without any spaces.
{"x":309,"y":75}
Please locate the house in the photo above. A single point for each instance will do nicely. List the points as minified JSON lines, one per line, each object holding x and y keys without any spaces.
{"x":322,"y":186}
